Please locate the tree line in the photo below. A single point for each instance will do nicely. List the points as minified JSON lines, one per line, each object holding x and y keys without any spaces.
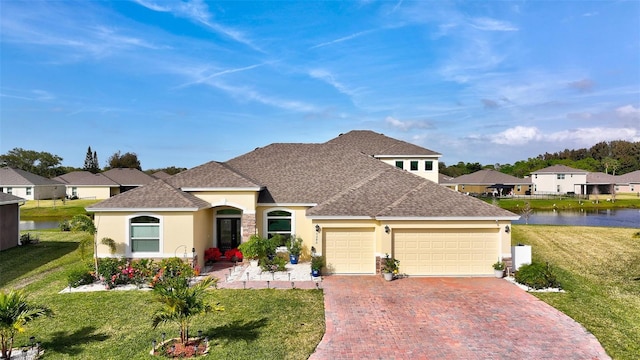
{"x":615,"y":158}
{"x":49,"y":165}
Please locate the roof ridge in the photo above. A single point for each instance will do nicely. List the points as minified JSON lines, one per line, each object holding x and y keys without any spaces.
{"x":239,"y":173}
{"x":404,"y":196}
{"x":353,"y":187}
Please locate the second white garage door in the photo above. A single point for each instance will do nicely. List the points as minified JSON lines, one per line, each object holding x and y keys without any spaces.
{"x":446,"y":251}
{"x":349,"y":251}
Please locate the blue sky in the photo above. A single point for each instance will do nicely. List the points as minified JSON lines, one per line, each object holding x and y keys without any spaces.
{"x":181,"y":83}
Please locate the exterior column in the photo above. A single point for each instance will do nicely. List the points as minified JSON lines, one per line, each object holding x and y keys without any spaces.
{"x":248,"y":226}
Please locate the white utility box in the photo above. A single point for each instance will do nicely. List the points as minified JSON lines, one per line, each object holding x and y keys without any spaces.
{"x":520,"y":255}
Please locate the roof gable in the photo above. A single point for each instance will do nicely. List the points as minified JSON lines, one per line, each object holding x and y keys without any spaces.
{"x":13,"y":176}
{"x":372,"y":143}
{"x":128,"y":176}
{"x":86,"y":178}
{"x":156,"y":195}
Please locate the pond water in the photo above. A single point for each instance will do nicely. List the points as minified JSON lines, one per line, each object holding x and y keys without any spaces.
{"x":614,"y":218}
{"x":38,"y":224}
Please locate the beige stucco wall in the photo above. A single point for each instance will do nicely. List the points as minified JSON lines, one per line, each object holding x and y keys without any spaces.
{"x":90,"y":192}
{"x":243,"y":200}
{"x":430,"y":175}
{"x":178,"y":231}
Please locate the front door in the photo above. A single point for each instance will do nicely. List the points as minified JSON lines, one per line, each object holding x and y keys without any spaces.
{"x":228,"y":233}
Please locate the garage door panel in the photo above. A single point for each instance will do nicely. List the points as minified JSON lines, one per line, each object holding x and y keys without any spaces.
{"x":446,"y":251}
{"x":350,"y":251}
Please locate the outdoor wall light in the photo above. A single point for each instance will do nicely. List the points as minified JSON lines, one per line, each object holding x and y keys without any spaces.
{"x":507,"y":229}
{"x":387,"y":229}
{"x":317,"y":228}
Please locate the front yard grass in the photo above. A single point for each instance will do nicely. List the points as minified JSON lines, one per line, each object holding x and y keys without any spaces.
{"x":256,"y":324}
{"x":600,"y":270}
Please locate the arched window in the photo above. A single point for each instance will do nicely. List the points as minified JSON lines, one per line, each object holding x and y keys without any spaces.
{"x":279,"y":223}
{"x":144,"y":234}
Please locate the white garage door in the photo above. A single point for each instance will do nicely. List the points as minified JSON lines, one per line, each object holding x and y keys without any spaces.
{"x":446,"y":251}
{"x":349,"y":251}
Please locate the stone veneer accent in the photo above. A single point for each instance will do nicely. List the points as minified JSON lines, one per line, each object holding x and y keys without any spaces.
{"x":248,"y":226}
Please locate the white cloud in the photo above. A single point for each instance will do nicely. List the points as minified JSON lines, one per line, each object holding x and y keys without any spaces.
{"x":329,"y":78}
{"x":521,"y":135}
{"x":408,"y":124}
{"x":628,"y":112}
{"x":516,"y":136}
{"x":488,"y":24}
{"x":344,"y":38}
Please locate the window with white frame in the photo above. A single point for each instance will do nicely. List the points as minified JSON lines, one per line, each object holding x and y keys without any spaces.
{"x":29,"y":190}
{"x":144,"y":234}
{"x":279,"y":222}
{"x":560,"y":176}
{"x":9,"y":190}
{"x":74,"y":191}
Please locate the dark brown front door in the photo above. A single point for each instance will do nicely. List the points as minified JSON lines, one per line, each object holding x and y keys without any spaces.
{"x":228,"y":233}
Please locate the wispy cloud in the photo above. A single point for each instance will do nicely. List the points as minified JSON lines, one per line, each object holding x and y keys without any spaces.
{"x":205,"y":78}
{"x":197,"y":11}
{"x":521,"y":135}
{"x":407,"y":125}
{"x":490,"y":104}
{"x":629,"y":112}
{"x":488,"y":24}
{"x":243,"y":93}
{"x":583,"y":85}
{"x":342,"y":39}
{"x":329,"y":78}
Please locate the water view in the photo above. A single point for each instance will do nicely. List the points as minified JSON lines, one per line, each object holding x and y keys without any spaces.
{"x":615,"y":218}
{"x":38,"y":224}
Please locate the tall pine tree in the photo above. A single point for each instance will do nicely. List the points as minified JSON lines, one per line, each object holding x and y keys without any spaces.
{"x":91,"y":161}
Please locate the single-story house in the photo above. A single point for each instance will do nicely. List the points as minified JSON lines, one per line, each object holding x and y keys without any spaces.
{"x":558,"y":179}
{"x":9,"y":220}
{"x":344,"y":202}
{"x":597,"y":183}
{"x":628,"y":183}
{"x":86,"y":185}
{"x":489,"y":181}
{"x":29,"y":186}
{"x":128,"y":178}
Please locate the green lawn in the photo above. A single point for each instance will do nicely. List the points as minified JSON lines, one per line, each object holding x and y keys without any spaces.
{"x":600,"y":270}
{"x":566,"y":203}
{"x":264,"y":324}
{"x":58,"y":210}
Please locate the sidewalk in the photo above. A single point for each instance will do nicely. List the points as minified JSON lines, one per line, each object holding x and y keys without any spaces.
{"x":243,"y":276}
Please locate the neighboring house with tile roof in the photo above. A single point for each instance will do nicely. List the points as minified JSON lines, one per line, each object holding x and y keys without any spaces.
{"x":489,"y":181}
{"x":9,"y":220}
{"x":415,"y":159}
{"x":128,"y":178}
{"x":346,"y":204}
{"x":29,"y":186}
{"x":86,"y":185}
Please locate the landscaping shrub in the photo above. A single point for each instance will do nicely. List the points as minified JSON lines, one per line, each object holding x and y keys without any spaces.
{"x":277,"y":263}
{"x":174,"y":270}
{"x":537,"y":276}
{"x":65,"y":225}
{"x":80,"y":275}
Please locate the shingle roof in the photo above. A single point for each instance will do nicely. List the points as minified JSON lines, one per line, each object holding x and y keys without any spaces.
{"x":444,"y":179}
{"x":601,"y":178}
{"x":128,"y":176}
{"x":632,"y":177}
{"x":160,"y":175}
{"x":375,"y":144}
{"x":86,"y":178}
{"x":12,"y":176}
{"x":211,"y":175}
{"x":489,"y":177}
{"x":341,"y":180}
{"x":9,"y":199}
{"x":156,"y":195}
{"x":559,"y":169}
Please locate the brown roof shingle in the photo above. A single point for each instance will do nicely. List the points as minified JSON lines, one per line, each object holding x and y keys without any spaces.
{"x":211,"y":175}
{"x":12,"y":176}
{"x":128,"y":176}
{"x":489,"y":177}
{"x":86,"y":178}
{"x":375,"y":144}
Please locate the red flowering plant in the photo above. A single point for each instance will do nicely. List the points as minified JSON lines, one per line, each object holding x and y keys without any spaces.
{"x":233,"y":255}
{"x":212,"y":254}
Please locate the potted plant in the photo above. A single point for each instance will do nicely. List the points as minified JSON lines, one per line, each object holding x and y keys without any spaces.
{"x":317,"y":263}
{"x":253,"y":249}
{"x":390,"y":267}
{"x":498,"y":269}
{"x":294,"y":246}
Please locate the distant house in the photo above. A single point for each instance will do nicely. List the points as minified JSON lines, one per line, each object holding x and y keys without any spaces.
{"x":29,"y":186}
{"x":128,"y":178}
{"x":559,"y":179}
{"x":9,"y":220}
{"x":412,"y":158}
{"x":160,"y":175}
{"x":597,"y":183}
{"x":86,"y":185}
{"x":628,"y":183}
{"x":345,"y":201}
{"x":490,"y":181}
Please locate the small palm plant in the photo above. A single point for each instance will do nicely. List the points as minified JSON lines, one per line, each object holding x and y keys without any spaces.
{"x":181,"y":303}
{"x":15,"y":313}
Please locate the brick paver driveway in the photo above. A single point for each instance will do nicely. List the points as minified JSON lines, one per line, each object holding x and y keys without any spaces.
{"x":445,"y":318}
